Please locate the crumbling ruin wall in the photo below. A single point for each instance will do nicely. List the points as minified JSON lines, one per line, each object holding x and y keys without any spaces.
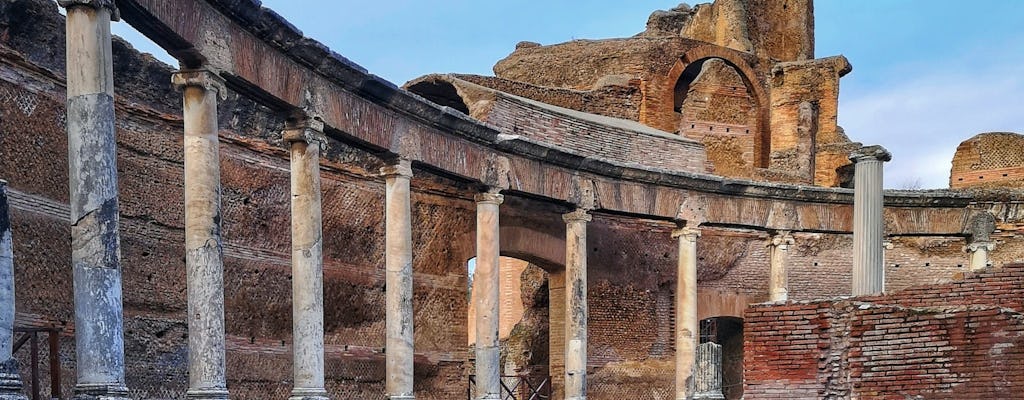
{"x":988,"y":160}
{"x":618,"y":97}
{"x":782,"y":30}
{"x":955,"y":340}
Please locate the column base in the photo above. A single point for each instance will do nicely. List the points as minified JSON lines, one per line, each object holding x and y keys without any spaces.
{"x":576,"y":398}
{"x":100,"y":391}
{"x":10,"y":382}
{"x":309,"y":394}
{"x":401,"y":397}
{"x":206,"y":394}
{"x":708,"y":396}
{"x":491,"y":396}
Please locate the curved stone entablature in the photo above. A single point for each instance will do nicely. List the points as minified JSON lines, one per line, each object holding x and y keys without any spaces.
{"x":363,"y":109}
{"x":589,"y":135}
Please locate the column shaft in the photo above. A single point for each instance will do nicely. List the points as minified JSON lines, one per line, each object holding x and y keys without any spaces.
{"x":687,"y":323}
{"x":487,"y":281}
{"x":398,"y":281}
{"x":307,"y":264}
{"x":778,"y":284}
{"x":868,"y":227}
{"x":203,"y":248}
{"x":10,"y":382}
{"x":979,"y":254}
{"x":92,"y":161}
{"x":576,"y":304}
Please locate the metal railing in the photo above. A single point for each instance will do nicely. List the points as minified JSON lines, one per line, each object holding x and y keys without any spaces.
{"x":518,"y":387}
{"x":31,"y":336}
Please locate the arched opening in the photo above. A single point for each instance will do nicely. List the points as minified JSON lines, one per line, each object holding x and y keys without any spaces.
{"x":715,"y":104}
{"x":523,"y":324}
{"x":441,"y":93}
{"x":728,"y":333}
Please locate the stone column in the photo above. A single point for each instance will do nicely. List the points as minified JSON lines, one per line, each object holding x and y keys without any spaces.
{"x":979,"y":254}
{"x":868,"y":227}
{"x":203,"y":250}
{"x":576,"y":304}
{"x":305,"y":141}
{"x":778,"y":249}
{"x":708,"y":372}
{"x":687,"y":323}
{"x":10,"y":382}
{"x":398,"y":277}
{"x":486,"y":282}
{"x":92,"y":166}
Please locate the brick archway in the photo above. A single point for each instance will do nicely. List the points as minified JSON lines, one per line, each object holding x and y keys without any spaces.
{"x":747,"y":72}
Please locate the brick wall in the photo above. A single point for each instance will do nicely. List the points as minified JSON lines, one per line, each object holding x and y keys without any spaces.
{"x":607,"y":139}
{"x":960,"y":339}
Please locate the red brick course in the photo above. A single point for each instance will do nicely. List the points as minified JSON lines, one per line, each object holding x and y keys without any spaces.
{"x":961,"y":339}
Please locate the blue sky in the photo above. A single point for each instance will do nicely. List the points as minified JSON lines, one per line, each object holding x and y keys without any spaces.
{"x":927,"y":74}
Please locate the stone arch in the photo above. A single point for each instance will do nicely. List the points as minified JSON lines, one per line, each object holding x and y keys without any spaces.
{"x":694,"y":58}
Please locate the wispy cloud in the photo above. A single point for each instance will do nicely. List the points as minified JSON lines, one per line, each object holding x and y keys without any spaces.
{"x":921,"y":117}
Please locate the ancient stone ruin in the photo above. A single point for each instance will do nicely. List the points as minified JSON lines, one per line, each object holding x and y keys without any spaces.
{"x":671,"y":215}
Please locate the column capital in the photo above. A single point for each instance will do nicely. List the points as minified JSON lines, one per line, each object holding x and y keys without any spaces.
{"x":577,"y":215}
{"x":870,"y":153}
{"x":306,"y":130}
{"x":201,"y":78}
{"x":782,"y":240}
{"x":489,"y":197}
{"x":688,"y":233}
{"x":401,"y":168}
{"x":973,"y":247}
{"x":95,"y":4}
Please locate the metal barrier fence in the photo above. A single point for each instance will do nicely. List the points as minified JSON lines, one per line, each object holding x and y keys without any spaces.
{"x":31,"y":336}
{"x":521,"y":387}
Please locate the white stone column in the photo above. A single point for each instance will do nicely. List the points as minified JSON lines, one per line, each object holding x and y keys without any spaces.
{"x":979,"y":254}
{"x":576,"y":304}
{"x":868,"y":226}
{"x":778,"y":249}
{"x":203,"y":249}
{"x":92,"y":166}
{"x":487,"y":282}
{"x":687,"y":323}
{"x":305,"y":141}
{"x":399,"y":350}
{"x":10,"y":381}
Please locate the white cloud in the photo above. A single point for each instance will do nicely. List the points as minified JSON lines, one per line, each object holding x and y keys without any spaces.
{"x":921,"y":119}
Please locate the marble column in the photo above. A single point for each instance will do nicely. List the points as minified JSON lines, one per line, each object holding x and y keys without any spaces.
{"x":92,"y":166}
{"x":979,"y":254}
{"x":778,"y":284}
{"x":10,"y":381}
{"x":306,"y":140}
{"x":687,"y":323}
{"x":576,"y":304}
{"x":398,"y":280}
{"x":868,"y":226}
{"x":487,"y":281}
{"x":203,"y":248}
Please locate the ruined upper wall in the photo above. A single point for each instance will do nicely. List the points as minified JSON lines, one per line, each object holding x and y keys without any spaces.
{"x":989,"y":160}
{"x":782,"y":30}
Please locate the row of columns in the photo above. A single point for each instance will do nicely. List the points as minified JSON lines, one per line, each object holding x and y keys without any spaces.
{"x":96,"y":247}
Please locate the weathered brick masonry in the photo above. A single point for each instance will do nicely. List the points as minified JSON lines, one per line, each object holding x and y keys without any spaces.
{"x":961,"y":339}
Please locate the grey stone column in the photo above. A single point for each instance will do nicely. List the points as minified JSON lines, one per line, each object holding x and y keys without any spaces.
{"x":576,"y":304}
{"x":10,"y":382}
{"x":980,"y":227}
{"x":487,"y":282}
{"x":687,"y":323}
{"x":306,"y":140}
{"x":778,"y":249}
{"x":399,"y":350}
{"x":708,"y":372}
{"x":92,"y":166}
{"x":203,"y":248}
{"x":868,"y":227}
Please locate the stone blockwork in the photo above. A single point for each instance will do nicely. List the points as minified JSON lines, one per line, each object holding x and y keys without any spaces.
{"x":988,"y":160}
{"x":954,"y":340}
